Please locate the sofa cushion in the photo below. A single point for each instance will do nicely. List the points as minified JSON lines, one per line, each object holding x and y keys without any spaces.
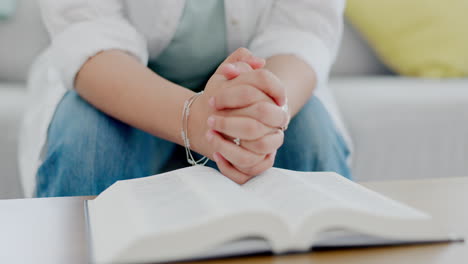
{"x":355,"y":57}
{"x":418,"y":37}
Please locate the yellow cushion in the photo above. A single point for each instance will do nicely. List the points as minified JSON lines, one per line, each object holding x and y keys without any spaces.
{"x":425,"y":38}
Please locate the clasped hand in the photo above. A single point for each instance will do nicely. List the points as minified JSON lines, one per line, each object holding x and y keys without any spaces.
{"x":243,"y":100}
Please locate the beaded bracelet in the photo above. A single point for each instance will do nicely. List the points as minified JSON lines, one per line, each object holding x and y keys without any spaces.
{"x":185,"y":136}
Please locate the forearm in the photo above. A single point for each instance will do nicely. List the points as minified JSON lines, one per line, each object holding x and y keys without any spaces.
{"x":298,"y":78}
{"x":123,"y":88}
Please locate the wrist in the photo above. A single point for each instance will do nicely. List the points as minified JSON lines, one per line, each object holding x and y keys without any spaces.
{"x":197,"y":126}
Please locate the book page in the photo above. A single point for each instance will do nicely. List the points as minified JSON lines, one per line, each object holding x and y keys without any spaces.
{"x":175,"y":200}
{"x":176,"y":204}
{"x":287,"y":195}
{"x":351,"y":195}
{"x":186,"y":197}
{"x":296,"y":195}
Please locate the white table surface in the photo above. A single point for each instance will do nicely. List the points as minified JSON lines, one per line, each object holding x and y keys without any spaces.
{"x":47,"y":230}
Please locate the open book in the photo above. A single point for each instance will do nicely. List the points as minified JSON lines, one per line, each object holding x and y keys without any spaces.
{"x":197,"y":213}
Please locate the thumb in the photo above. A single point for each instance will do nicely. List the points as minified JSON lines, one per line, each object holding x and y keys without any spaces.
{"x":243,"y":55}
{"x":232,"y":70}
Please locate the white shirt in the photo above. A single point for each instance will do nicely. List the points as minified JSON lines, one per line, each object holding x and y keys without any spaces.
{"x":309,"y":29}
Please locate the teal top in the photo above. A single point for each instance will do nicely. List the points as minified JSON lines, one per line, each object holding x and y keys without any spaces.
{"x":198,"y":47}
{"x":7,"y":8}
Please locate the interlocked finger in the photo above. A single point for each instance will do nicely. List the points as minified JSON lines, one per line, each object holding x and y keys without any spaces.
{"x":265,"y":145}
{"x":265,"y":81}
{"x":239,"y":97}
{"x":229,"y":171}
{"x":237,"y":156}
{"x":267,"y":113}
{"x":239,"y":127}
{"x":267,"y":163}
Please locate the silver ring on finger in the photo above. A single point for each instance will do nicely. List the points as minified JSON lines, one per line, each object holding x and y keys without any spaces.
{"x":237,"y":141}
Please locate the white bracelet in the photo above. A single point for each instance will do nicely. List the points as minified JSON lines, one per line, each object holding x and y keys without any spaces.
{"x":185,"y":136}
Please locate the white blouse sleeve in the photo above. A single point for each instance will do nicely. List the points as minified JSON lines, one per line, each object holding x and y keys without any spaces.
{"x":82,"y":28}
{"x":309,"y":29}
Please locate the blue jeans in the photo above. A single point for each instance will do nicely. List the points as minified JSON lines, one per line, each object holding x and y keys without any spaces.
{"x":87,"y":150}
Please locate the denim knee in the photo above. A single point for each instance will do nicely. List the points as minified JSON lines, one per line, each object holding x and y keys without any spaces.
{"x":87,"y":151}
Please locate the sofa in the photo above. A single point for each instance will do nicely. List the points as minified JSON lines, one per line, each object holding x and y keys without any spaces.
{"x":401,"y":128}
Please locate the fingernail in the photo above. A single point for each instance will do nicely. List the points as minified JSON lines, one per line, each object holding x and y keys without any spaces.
{"x":261,"y":61}
{"x":209,"y":135}
{"x":211,"y":101}
{"x":216,"y":157}
{"x":211,"y":121}
{"x":231,"y":65}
